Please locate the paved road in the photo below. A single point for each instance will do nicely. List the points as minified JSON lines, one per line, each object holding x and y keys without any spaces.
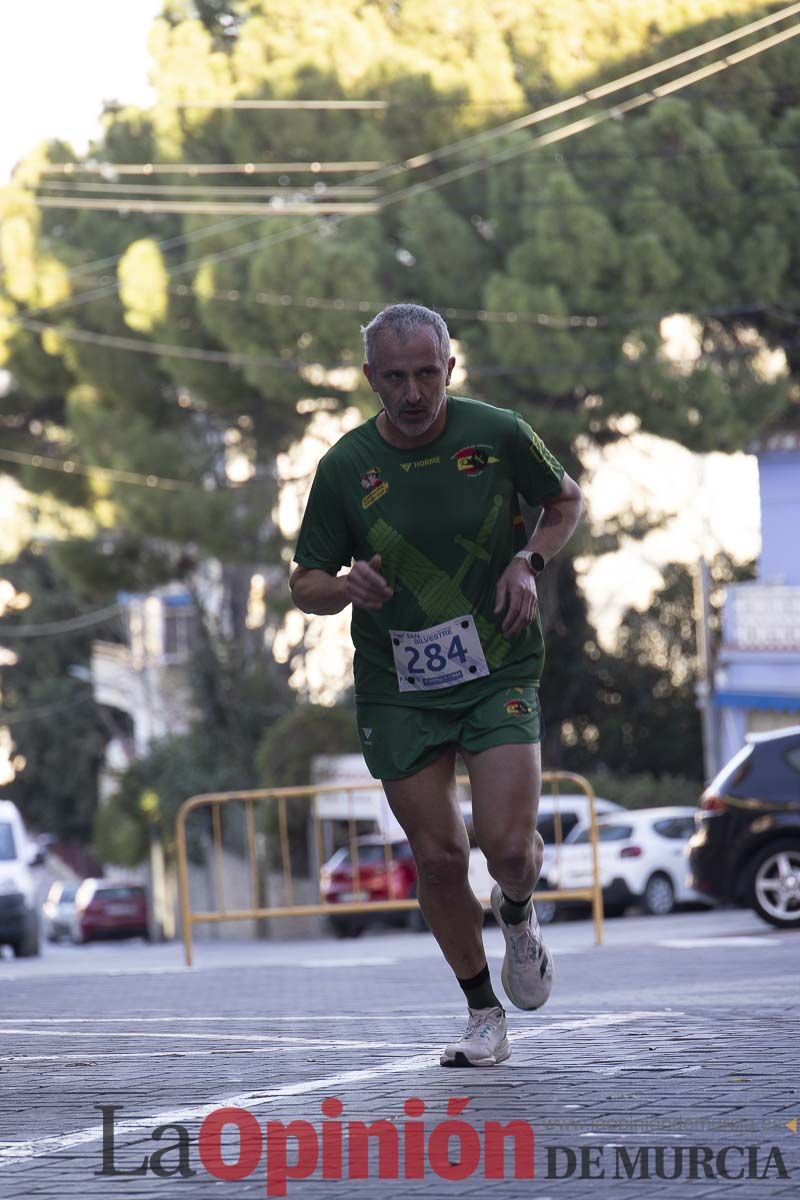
{"x":678,"y":1033}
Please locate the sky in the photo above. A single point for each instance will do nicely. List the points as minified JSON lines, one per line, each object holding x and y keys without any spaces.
{"x":47,"y":92}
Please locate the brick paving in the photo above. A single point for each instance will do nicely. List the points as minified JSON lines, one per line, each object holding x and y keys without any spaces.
{"x":642,"y":1045}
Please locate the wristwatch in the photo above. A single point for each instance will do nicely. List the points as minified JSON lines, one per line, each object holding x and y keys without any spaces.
{"x":534,"y":560}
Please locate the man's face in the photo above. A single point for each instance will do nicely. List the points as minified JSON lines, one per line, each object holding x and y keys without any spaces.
{"x":410,"y":376}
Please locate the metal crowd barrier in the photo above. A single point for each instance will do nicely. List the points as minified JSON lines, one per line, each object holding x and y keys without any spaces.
{"x":215,"y":801}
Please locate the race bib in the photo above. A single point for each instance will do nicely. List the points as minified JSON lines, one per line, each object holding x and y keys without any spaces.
{"x":442,"y":656}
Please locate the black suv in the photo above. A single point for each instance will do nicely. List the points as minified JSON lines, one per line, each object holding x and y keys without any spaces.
{"x":746,"y":847}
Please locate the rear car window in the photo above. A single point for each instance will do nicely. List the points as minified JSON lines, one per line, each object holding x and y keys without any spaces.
{"x":793,"y":758}
{"x":368,"y":856}
{"x":605,"y":833}
{"x":120,"y":893}
{"x":733,"y":773}
{"x":7,"y":849}
{"x":678,"y":828}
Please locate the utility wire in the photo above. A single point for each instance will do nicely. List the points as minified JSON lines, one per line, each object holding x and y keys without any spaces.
{"x":67,"y":187}
{"x":311,"y":227}
{"x":306,"y":167}
{"x":470,"y":168}
{"x":283,"y":105}
{"x":281,"y":208}
{"x":557,"y":321}
{"x":69,"y":466}
{"x":199,"y":354}
{"x":48,"y":628}
{"x":123,"y":206}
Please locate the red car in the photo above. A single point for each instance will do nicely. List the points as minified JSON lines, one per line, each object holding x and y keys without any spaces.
{"x":109,"y":909}
{"x":338,"y":884}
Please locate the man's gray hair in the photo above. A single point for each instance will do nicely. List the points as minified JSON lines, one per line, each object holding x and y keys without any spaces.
{"x":404,"y":320}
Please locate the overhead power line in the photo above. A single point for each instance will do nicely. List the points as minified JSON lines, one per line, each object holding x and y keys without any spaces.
{"x":109,"y":169}
{"x":282,"y":208}
{"x":49,"y":628}
{"x":70,"y":466}
{"x":558,"y":321}
{"x":283,"y":105}
{"x":310,"y":227}
{"x":531,"y":204}
{"x":200,"y":354}
{"x":68,"y":187}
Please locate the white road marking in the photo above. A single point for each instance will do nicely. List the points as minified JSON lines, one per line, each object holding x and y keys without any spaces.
{"x":450,"y":1014}
{"x":284,"y":1039}
{"x":90,"y":1054}
{"x":711,"y":942}
{"x":410,"y":1065}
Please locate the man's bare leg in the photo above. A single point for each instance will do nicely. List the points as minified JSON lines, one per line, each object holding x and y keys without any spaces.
{"x":506,"y":782}
{"x":426,"y":806}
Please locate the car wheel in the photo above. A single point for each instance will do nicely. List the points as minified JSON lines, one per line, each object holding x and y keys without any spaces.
{"x":28,"y":945}
{"x":658,"y":897}
{"x":344,"y":927}
{"x":775,"y":884}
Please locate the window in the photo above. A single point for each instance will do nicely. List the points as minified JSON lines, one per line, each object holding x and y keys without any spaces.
{"x":120,"y":893}
{"x":677,"y":828}
{"x":7,"y":850}
{"x":793,"y":758}
{"x":546,"y":826}
{"x":605,"y":833}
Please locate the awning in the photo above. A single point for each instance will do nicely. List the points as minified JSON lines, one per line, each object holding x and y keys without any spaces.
{"x":762,"y":700}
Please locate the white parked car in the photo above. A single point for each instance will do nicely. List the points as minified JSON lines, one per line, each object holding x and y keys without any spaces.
{"x":58,"y":910}
{"x":19,"y":917}
{"x":641,"y":857}
{"x":567,"y":811}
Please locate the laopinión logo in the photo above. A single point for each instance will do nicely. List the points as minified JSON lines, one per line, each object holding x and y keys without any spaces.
{"x":232,"y":1146}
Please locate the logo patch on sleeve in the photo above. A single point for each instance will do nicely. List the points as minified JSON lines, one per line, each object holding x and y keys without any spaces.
{"x":474,"y":459}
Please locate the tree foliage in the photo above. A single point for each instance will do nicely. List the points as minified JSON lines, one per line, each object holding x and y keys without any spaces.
{"x":162,"y":346}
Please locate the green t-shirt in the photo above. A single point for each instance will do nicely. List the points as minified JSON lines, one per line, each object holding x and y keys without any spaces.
{"x":445,"y":518}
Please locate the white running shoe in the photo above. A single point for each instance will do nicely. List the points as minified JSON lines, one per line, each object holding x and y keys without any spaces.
{"x":527,"y":973}
{"x":482,"y":1044}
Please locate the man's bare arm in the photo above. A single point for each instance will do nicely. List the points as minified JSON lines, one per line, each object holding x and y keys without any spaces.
{"x":318,"y":592}
{"x":315,"y":591}
{"x":559,"y":519}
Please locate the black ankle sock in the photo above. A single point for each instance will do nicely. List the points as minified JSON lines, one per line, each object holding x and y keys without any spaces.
{"x":478,"y":990}
{"x":514,"y":912}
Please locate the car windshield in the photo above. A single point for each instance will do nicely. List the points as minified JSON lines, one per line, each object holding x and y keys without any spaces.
{"x":605,"y":833}
{"x":7,"y":851}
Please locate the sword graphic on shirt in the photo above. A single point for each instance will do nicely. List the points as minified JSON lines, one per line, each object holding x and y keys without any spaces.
{"x":438,"y":595}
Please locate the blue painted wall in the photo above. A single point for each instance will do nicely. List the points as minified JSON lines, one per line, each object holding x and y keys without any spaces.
{"x":779,"y":485}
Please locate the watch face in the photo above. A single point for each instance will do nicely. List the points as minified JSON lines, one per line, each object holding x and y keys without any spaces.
{"x":537,"y":562}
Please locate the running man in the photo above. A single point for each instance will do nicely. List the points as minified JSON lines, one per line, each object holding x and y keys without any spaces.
{"x":422,"y":500}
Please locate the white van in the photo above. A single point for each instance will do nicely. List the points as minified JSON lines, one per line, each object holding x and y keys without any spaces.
{"x":568,"y":809}
{"x":19,"y":918}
